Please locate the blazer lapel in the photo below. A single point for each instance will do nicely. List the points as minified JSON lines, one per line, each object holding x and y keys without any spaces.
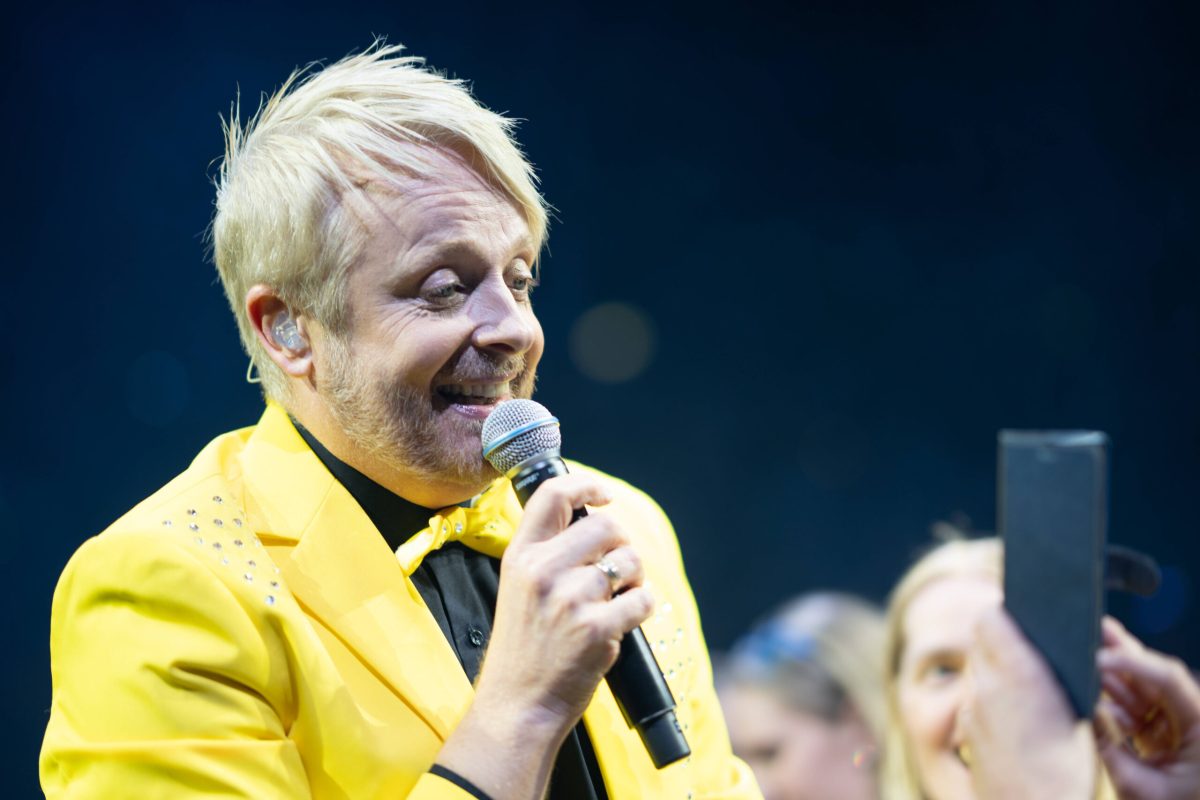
{"x":342,"y":572}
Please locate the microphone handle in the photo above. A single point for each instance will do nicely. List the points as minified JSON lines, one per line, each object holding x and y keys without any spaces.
{"x":635,"y":679}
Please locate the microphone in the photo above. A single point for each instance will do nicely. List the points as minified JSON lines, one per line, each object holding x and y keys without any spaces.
{"x":521,"y":439}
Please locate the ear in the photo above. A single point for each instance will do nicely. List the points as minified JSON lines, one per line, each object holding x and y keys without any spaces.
{"x":266,"y":311}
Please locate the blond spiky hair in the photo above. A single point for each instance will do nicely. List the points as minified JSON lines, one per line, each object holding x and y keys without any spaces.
{"x":280,"y":219}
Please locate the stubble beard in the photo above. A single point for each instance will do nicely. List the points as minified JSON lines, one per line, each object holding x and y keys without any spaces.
{"x":398,"y":426}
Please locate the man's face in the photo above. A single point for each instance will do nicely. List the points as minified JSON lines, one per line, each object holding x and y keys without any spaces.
{"x":440,"y":327}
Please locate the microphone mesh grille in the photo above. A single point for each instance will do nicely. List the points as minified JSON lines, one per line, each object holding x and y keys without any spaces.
{"x":510,"y":416}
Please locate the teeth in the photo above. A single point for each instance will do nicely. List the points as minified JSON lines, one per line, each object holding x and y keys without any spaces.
{"x":476,"y":389}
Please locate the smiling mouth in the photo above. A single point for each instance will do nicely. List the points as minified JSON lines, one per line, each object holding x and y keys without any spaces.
{"x":475,"y":394}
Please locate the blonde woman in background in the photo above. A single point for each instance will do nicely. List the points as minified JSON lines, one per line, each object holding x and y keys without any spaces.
{"x":1002,"y":728}
{"x":803,"y":698}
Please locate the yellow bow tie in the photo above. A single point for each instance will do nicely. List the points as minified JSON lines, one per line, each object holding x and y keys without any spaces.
{"x":481,"y":528}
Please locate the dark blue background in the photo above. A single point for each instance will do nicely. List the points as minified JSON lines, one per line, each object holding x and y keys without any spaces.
{"x":868,"y":236}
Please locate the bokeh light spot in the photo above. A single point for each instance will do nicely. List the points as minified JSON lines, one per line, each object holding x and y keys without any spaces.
{"x":612,"y":342}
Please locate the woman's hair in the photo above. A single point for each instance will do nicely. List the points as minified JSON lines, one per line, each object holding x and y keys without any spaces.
{"x":819,"y":653}
{"x":983,"y":557}
{"x":280,"y":217}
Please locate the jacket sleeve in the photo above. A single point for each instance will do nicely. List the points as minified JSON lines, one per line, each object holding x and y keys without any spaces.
{"x":169,"y":683}
{"x":719,"y":774}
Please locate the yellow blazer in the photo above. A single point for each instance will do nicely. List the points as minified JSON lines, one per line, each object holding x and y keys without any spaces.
{"x":246,"y":632}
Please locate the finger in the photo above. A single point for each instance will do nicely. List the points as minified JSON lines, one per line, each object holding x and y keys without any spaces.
{"x":1116,"y":687}
{"x":994,"y":634}
{"x":629,"y":609}
{"x":1144,"y":674}
{"x":1125,"y":769}
{"x":1112,"y":715}
{"x":1106,"y":727}
{"x":986,"y":672}
{"x":553,"y":505}
{"x":628,"y":565}
{"x":1157,"y":677}
{"x":1000,"y":644}
{"x":584,"y":542}
{"x":1114,"y":635}
{"x":1111,"y":631}
{"x":590,"y":583}
{"x":586,"y":583}
{"x":1137,"y":696}
{"x":1154,"y":730}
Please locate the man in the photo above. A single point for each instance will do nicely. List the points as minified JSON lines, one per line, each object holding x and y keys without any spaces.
{"x":247,"y":631}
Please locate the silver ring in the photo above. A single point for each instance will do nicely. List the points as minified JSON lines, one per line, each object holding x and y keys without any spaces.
{"x":610,"y":571}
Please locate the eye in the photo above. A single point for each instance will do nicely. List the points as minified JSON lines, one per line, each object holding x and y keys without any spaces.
{"x":522,"y":284}
{"x":443,"y":288}
{"x":941,"y":670}
{"x":445,"y":291}
{"x":768,"y":754}
{"x":762,"y":754}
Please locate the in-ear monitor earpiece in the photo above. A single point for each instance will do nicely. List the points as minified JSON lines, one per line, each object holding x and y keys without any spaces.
{"x":286,"y":334}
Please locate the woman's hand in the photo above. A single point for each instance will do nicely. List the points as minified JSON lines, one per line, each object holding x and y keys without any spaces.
{"x":1148,"y":721}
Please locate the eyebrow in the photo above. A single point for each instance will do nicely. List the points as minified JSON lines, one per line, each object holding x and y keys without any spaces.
{"x":467,"y":247}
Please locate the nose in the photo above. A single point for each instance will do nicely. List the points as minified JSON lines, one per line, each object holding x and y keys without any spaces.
{"x":963,"y":707}
{"x":502,"y":323}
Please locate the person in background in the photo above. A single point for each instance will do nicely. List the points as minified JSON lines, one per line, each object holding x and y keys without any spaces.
{"x":803,"y":698}
{"x":933,"y":613}
{"x":955,"y":663}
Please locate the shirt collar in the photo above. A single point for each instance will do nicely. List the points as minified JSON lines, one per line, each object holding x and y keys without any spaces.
{"x":396,"y":519}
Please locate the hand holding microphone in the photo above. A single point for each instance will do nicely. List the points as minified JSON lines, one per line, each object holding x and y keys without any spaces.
{"x":558,"y":623}
{"x":556,"y":632}
{"x":521,"y":439}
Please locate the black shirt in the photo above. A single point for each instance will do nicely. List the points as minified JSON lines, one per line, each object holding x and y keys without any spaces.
{"x":459,"y":586}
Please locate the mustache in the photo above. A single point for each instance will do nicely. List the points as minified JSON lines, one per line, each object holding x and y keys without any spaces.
{"x":477,"y":365}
